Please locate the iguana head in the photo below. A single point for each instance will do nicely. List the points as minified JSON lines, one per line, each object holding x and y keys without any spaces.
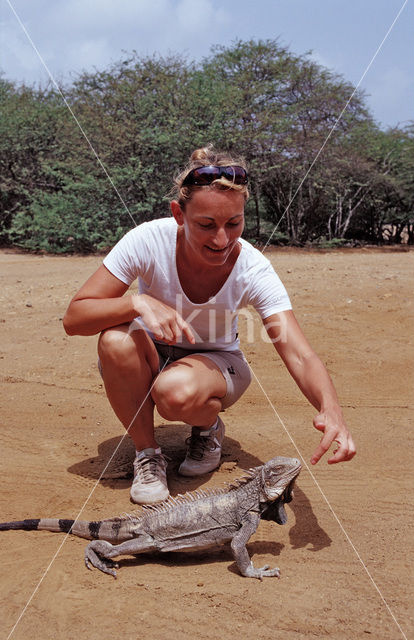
{"x":277,"y":475}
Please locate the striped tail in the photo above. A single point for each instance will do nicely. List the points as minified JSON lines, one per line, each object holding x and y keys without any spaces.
{"x":114,"y":530}
{"x":78,"y":528}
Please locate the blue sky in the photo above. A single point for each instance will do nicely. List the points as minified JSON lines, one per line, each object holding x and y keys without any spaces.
{"x":343,"y":35}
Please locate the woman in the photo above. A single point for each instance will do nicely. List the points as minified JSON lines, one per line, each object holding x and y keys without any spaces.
{"x":174,"y":345}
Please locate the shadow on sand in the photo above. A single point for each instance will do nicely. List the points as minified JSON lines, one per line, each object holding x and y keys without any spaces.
{"x":113,"y":467}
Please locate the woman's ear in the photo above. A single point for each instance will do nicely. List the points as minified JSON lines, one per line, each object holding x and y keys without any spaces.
{"x":177,"y":212}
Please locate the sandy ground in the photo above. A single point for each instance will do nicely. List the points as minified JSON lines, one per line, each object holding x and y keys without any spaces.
{"x":346,"y":552}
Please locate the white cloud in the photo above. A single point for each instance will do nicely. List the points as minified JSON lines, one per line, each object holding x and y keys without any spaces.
{"x":16,"y":46}
{"x":321,"y":60}
{"x":107,"y":15}
{"x":73,"y":35}
{"x":200,"y":15}
{"x":90,"y":53}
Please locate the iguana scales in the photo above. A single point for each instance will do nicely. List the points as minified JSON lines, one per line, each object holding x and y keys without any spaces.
{"x":191,"y":521}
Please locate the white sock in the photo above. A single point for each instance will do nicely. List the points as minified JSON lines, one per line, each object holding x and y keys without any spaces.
{"x":206,"y":432}
{"x":214,"y":426}
{"x":140,"y":454}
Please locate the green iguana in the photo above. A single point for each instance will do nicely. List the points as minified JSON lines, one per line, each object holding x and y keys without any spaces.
{"x":191,"y":521}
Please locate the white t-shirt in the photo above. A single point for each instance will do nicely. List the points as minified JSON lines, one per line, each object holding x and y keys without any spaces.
{"x":148,"y":253}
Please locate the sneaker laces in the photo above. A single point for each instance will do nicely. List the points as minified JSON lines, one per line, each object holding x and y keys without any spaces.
{"x":198,"y":444}
{"x":150,"y":468}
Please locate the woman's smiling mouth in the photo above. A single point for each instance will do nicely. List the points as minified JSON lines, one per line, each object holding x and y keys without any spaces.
{"x":217,"y":250}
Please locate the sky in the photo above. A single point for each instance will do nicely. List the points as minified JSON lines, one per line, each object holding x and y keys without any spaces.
{"x":342,"y":35}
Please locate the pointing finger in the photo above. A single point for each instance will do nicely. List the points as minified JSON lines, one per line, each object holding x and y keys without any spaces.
{"x":186,"y":329}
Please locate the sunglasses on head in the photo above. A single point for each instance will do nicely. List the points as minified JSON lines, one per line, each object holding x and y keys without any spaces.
{"x":206,"y":175}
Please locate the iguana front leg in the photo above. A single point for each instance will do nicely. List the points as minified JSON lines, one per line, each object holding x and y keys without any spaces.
{"x":240,"y":554}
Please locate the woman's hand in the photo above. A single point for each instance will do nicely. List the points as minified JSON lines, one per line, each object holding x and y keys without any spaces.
{"x":313,"y":380}
{"x":334,"y":429}
{"x":163,"y":321}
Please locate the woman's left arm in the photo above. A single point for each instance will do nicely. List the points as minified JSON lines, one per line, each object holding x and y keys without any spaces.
{"x":313,"y":380}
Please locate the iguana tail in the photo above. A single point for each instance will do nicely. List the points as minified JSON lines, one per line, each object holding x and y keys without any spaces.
{"x":114,"y":530}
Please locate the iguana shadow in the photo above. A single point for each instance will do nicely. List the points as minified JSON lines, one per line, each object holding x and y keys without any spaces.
{"x":200,"y":557}
{"x":306,"y":530}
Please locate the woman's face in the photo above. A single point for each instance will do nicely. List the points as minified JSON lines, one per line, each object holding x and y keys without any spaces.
{"x":213,"y":222}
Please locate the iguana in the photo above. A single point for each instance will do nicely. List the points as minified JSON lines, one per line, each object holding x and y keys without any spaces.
{"x":191,"y":521}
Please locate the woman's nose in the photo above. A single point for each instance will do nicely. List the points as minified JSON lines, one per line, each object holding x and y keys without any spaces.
{"x":221,"y":239}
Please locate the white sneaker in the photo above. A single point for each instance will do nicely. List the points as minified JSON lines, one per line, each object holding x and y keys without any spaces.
{"x":150,"y":478}
{"x":204,"y":451}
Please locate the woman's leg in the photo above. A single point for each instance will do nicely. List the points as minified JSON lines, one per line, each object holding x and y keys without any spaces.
{"x":190,"y":389}
{"x":129,"y":363}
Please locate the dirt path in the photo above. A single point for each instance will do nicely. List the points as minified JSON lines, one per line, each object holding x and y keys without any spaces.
{"x":57,"y":432}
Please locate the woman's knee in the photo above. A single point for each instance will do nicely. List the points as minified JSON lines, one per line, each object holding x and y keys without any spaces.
{"x":174,"y":394}
{"x":118,"y":346}
{"x":114,"y":342}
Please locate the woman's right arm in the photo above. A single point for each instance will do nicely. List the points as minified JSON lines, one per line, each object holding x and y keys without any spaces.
{"x":100,"y":303}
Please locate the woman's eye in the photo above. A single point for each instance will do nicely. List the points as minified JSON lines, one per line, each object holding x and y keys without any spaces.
{"x":211,"y":226}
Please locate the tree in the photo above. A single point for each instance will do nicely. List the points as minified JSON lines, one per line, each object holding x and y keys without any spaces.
{"x":314,"y":176}
{"x":29,"y":126}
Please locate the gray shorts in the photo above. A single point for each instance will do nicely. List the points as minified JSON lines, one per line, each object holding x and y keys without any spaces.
{"x":232,"y":365}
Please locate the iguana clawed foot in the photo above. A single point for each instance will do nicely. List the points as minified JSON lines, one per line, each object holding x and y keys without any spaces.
{"x":94,"y":559}
{"x":263,"y":572}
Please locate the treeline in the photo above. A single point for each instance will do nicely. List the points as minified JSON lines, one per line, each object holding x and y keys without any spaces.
{"x":143,"y":116}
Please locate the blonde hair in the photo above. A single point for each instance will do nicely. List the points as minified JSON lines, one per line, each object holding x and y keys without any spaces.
{"x":203,"y":157}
